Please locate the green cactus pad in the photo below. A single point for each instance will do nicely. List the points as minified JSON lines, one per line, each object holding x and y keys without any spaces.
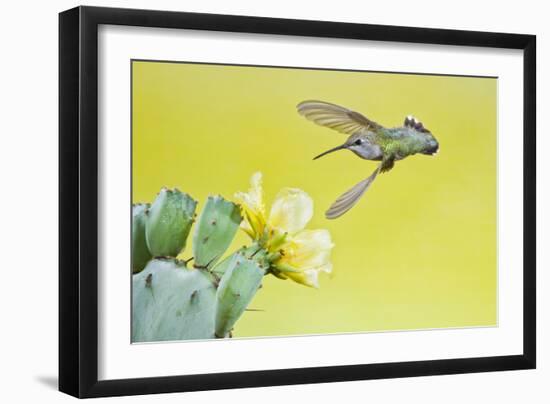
{"x":169,"y":220}
{"x":242,"y":278}
{"x":171,"y":302}
{"x":140,"y":252}
{"x":221,"y":267}
{"x":215,"y":229}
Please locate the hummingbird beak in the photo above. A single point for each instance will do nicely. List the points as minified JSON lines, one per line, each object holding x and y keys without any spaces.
{"x":344,"y":146}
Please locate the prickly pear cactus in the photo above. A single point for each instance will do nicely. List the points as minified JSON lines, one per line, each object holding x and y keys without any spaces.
{"x":171,"y":302}
{"x":205,"y":295}
{"x":169,"y":220}
{"x":140,"y":252}
{"x":215,"y":229}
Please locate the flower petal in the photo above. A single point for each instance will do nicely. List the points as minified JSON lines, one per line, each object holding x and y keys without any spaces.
{"x":307,"y":278}
{"x":253,"y":199}
{"x":245,"y":226}
{"x":309,"y":249}
{"x":291,"y":210}
{"x":307,"y":253}
{"x":252,"y":206}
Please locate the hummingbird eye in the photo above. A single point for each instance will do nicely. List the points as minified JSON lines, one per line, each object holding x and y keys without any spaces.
{"x":358,"y":142}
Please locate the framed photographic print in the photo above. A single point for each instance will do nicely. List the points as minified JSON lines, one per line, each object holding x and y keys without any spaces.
{"x":251,"y":201}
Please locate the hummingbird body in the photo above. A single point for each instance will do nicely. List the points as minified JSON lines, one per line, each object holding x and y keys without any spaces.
{"x":369,"y":141}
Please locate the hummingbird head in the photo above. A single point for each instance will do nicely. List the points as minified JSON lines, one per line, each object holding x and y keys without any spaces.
{"x":428,"y":143}
{"x":360,"y":145}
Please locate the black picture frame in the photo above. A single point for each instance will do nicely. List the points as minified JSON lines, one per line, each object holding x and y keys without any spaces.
{"x":78,"y":200}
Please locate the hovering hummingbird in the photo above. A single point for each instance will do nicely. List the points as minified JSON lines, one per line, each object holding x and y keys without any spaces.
{"x":370,"y":141}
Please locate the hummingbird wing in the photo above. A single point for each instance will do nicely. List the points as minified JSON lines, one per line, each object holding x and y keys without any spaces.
{"x":335,"y":117}
{"x":348,"y":199}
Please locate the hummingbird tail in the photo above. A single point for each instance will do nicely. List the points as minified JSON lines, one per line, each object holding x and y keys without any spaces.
{"x":348,"y":199}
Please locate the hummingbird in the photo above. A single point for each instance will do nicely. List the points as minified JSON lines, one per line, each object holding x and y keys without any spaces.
{"x":370,"y":141}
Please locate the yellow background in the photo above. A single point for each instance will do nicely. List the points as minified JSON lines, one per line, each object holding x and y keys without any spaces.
{"x":418,"y":251}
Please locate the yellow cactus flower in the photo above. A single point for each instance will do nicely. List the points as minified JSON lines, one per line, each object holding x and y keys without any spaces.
{"x":252,"y":207}
{"x":295,"y":253}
